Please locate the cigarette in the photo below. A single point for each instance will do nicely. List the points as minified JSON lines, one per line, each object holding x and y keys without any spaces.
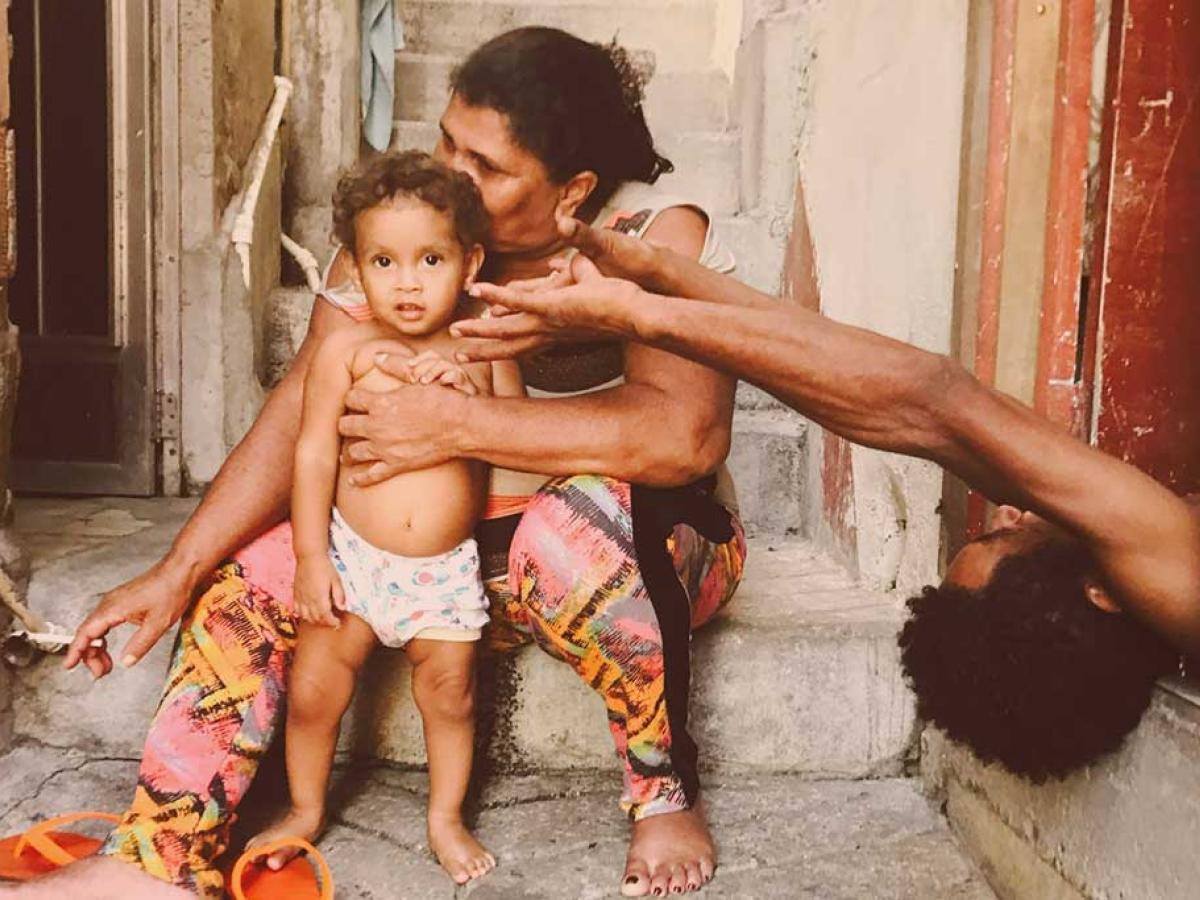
{"x":53,"y":637}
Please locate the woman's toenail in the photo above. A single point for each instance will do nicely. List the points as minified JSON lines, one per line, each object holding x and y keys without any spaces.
{"x":631,"y":879}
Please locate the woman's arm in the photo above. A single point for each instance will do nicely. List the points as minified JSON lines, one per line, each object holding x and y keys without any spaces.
{"x":667,"y":425}
{"x":249,"y":494}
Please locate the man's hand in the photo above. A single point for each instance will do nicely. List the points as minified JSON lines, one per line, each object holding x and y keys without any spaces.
{"x":318,"y":591}
{"x":578,"y":303}
{"x":614,"y":253}
{"x":154,"y":601}
{"x":410,"y":428}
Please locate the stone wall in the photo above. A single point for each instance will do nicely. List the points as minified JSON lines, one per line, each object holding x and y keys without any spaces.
{"x":1124,"y":827}
{"x":322,"y":60}
{"x":880,"y":134}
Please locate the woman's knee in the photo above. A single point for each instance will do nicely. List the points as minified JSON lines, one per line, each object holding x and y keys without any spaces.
{"x":563,"y":532}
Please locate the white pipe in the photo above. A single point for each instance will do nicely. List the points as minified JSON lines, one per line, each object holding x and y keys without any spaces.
{"x":306,"y":261}
{"x":243,"y":225}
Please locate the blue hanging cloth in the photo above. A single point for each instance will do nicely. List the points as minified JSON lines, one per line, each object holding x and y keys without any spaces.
{"x":381,"y":38}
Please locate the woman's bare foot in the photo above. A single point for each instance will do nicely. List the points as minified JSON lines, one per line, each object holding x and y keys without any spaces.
{"x":463,"y":857}
{"x":669,"y":854}
{"x":298,"y":823}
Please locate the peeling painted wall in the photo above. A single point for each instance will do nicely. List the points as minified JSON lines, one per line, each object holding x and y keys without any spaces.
{"x":322,"y":61}
{"x":879,"y":160}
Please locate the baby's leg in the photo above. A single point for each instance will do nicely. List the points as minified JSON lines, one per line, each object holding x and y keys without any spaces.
{"x":444,"y":688}
{"x":321,"y":685}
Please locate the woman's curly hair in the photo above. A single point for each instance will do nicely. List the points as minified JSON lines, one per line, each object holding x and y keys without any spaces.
{"x":1027,"y":671}
{"x":409,"y":173}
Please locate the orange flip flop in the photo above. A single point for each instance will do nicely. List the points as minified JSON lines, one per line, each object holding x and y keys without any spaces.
{"x":41,"y":850}
{"x":295,"y":881}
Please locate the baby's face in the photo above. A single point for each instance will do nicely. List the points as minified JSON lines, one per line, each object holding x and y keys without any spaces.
{"x":411,"y":265}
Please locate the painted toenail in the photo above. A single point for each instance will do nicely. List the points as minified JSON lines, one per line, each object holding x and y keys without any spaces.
{"x":631,"y":879}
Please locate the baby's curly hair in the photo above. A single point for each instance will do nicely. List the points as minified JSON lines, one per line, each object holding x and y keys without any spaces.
{"x":409,"y":173}
{"x":1027,"y":671}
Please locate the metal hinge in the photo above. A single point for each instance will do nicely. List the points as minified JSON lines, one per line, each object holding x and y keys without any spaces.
{"x":166,"y":416}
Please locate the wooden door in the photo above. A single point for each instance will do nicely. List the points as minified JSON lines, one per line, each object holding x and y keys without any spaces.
{"x":82,"y":295}
{"x":1146,"y":298}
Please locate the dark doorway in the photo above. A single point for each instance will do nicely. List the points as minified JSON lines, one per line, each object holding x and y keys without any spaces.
{"x":81,"y":295}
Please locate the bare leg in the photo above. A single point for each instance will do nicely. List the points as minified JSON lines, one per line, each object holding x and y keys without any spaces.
{"x":320,"y":688}
{"x":444,"y":688}
{"x":627,"y":625}
{"x":96,"y":878}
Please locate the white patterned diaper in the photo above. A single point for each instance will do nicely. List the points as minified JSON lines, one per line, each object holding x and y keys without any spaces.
{"x":402,"y":597}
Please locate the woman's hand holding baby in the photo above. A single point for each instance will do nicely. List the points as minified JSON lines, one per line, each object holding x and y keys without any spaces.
{"x":318,"y":591}
{"x":414,"y":427}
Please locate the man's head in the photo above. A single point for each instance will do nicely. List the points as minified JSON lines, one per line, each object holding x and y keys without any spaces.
{"x":416,"y":229}
{"x":1022,"y":654}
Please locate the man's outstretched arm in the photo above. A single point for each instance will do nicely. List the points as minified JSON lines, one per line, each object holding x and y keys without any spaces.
{"x":886,"y":394}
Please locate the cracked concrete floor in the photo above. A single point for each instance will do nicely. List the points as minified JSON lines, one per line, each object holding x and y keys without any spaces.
{"x":560,"y":836}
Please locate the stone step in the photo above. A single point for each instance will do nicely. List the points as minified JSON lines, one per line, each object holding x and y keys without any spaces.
{"x":705,"y":162}
{"x":681,"y":32}
{"x":675,"y":101}
{"x":1123,"y":827}
{"x":801,"y":674}
{"x":758,"y":245}
{"x":766,"y":460}
{"x":561,"y":835}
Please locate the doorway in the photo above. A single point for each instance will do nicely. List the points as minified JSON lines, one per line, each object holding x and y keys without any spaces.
{"x":82,"y":293}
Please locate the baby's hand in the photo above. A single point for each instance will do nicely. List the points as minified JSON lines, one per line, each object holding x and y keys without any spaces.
{"x":318,"y":591}
{"x":431,"y":368}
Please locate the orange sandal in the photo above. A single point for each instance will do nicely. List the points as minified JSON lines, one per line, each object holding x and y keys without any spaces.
{"x":52,"y":849}
{"x":295,"y":881}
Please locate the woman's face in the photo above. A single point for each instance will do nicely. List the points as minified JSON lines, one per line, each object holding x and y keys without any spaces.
{"x":517,"y":190}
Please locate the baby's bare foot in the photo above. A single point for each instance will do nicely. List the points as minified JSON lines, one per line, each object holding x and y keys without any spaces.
{"x":463,"y":857}
{"x":298,"y":823}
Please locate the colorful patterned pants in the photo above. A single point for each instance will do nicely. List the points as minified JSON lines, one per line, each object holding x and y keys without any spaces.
{"x":580,"y":563}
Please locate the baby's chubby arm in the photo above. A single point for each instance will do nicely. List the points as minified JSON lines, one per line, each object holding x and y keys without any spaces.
{"x":317,"y":587}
